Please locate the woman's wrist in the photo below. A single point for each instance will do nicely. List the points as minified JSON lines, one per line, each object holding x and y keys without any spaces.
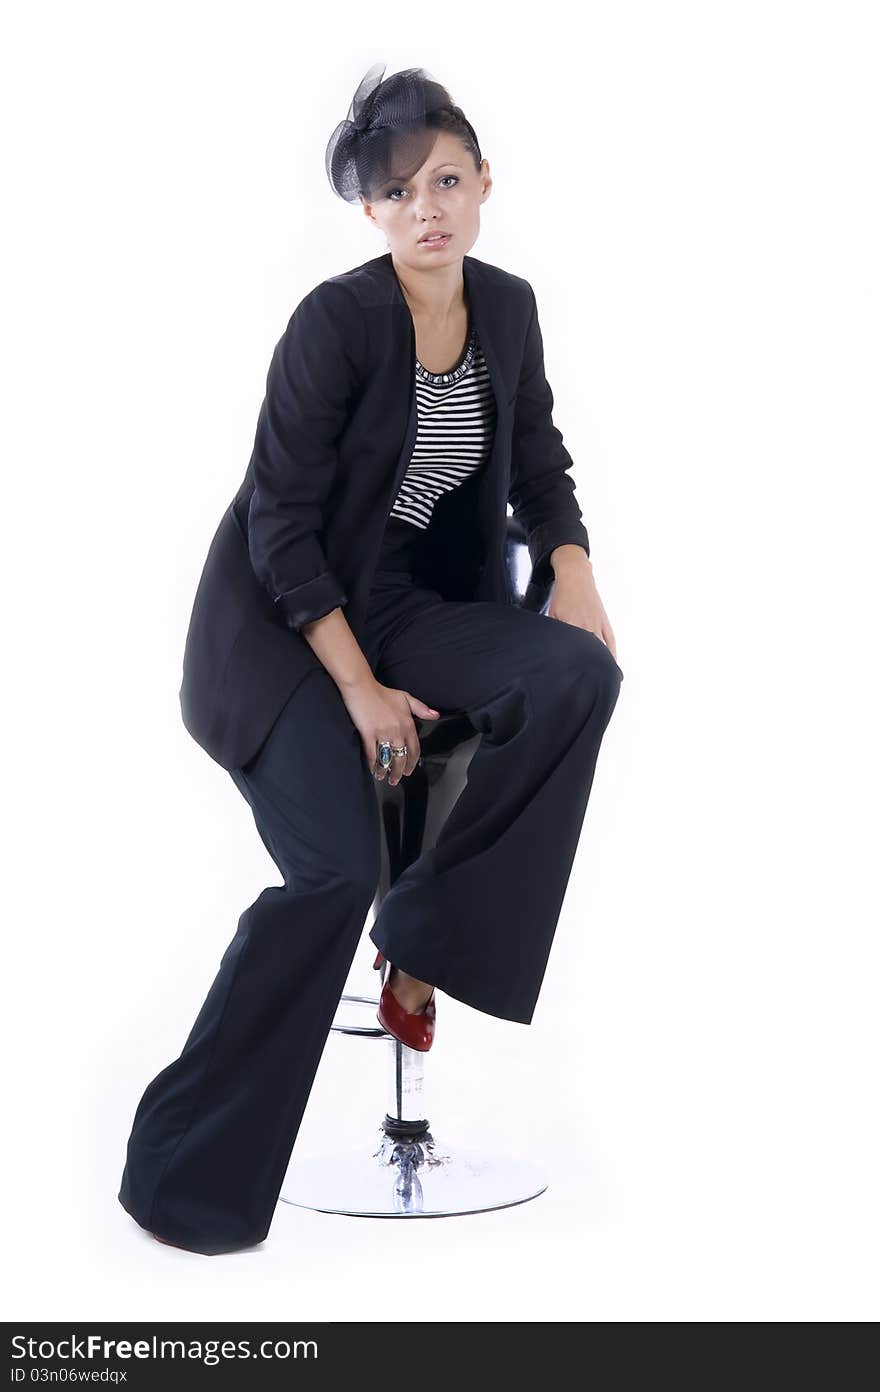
{"x":570,"y":558}
{"x":356,"y":681}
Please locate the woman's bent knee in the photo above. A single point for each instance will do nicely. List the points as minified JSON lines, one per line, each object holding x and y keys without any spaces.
{"x":580,"y":653}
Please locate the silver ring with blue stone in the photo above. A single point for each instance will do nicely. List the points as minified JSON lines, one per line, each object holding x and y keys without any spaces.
{"x":386,"y":752}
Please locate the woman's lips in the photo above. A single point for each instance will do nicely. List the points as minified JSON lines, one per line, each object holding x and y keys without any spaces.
{"x":437,"y":242}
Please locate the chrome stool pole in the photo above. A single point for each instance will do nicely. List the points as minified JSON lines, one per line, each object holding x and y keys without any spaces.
{"x":405,"y":1172}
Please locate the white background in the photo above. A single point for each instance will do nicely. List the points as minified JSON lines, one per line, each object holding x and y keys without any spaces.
{"x":692,"y":191}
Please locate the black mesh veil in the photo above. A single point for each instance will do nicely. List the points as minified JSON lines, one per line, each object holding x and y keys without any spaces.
{"x":387,"y":134}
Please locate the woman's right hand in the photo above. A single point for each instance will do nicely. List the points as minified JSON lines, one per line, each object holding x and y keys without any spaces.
{"x":384,"y":713}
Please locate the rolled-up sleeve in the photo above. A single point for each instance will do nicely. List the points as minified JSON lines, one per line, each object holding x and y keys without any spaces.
{"x":541,"y":488}
{"x":311,"y":382}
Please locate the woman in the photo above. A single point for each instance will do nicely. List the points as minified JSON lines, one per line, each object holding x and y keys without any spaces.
{"x":358,"y":582}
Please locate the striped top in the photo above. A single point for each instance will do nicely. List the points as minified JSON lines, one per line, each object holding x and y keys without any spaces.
{"x":456,"y":421}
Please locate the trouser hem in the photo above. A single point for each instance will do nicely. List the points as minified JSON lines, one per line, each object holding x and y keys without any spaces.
{"x":435,"y":974}
{"x":214,"y":1247}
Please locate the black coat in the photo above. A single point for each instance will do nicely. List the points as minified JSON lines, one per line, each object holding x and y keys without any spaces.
{"x":334,"y":436}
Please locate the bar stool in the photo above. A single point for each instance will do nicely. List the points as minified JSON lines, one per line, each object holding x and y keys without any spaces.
{"x":402,"y":1171}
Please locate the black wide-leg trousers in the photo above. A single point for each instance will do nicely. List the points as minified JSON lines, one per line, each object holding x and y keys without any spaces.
{"x":475,"y":915}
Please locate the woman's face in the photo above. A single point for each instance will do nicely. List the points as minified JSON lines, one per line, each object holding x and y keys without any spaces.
{"x":444,"y":195}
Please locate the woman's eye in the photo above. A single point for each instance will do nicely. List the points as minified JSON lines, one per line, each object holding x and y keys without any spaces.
{"x":392,"y":192}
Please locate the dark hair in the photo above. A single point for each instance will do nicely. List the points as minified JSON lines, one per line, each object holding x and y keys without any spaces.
{"x":389,"y":131}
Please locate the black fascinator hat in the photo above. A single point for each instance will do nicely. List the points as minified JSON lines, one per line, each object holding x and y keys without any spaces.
{"x":389,"y":131}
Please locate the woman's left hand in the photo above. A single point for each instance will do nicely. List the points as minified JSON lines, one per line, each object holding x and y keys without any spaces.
{"x":576,"y":600}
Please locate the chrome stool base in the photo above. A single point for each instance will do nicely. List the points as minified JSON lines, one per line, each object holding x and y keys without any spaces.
{"x":410,"y":1178}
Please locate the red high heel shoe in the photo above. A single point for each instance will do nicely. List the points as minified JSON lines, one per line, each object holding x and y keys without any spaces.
{"x":413,"y":1028}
